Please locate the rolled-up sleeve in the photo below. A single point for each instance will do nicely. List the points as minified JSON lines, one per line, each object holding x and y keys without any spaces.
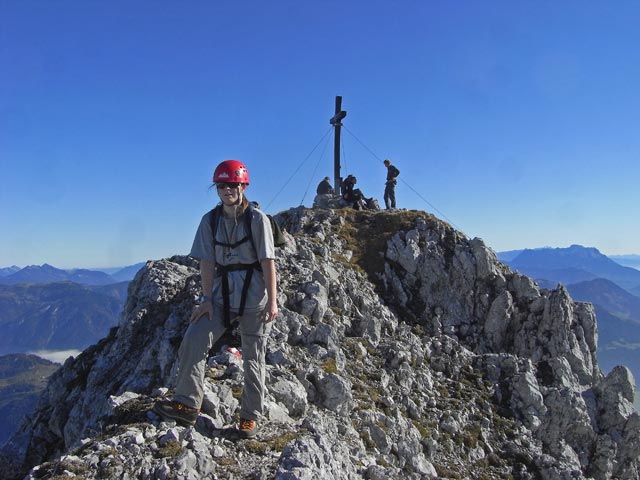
{"x":262,"y":235}
{"x":202,"y":247}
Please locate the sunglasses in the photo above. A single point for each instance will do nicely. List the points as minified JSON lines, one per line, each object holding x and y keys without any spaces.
{"x":223,"y":185}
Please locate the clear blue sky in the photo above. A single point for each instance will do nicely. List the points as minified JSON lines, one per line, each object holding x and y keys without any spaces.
{"x":518,"y":121}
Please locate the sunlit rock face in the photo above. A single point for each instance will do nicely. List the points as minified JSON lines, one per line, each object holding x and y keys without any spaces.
{"x":402,"y":350}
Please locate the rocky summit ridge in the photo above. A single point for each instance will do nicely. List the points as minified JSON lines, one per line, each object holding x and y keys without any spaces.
{"x":403,"y":350}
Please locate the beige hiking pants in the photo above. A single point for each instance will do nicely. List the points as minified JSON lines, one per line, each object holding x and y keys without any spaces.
{"x":192,"y":360}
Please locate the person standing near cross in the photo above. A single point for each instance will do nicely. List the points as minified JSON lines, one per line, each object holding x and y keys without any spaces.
{"x":390,"y":185}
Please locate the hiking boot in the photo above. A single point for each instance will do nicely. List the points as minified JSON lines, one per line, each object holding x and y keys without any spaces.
{"x":177,"y":411}
{"x":248,"y":428}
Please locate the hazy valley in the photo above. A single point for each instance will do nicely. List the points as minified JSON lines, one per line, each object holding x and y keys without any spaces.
{"x":46,"y":315}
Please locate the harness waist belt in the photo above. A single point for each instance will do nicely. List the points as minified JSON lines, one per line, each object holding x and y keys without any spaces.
{"x":222,"y":271}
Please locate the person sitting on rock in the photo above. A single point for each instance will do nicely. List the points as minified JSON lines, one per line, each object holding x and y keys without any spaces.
{"x":354,"y":196}
{"x":324,"y":187}
{"x":325,"y":195}
{"x":348,"y":185}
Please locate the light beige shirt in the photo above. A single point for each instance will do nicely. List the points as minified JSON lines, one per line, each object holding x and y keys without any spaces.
{"x":229,"y":231}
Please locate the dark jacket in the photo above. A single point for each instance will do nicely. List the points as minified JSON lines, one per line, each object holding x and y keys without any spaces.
{"x":324,"y":188}
{"x":347,"y":188}
{"x":392,"y":173}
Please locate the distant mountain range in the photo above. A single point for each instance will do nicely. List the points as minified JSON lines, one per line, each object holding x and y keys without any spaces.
{"x":22,"y":379}
{"x":592,"y":277}
{"x":57,"y":316}
{"x":43,"y":308}
{"x":627,"y":260}
{"x":609,"y":296}
{"x":126,"y":274}
{"x":508,"y":255}
{"x":8,"y":270}
{"x":571,"y":265}
{"x":618,"y":314}
{"x":47,"y":274}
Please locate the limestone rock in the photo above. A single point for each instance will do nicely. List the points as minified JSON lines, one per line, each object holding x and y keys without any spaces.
{"x":403,"y":350}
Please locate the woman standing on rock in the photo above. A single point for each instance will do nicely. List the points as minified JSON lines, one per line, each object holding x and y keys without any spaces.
{"x":238,"y":274}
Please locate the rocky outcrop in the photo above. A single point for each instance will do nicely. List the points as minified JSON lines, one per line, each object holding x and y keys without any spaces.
{"x":402,"y":350}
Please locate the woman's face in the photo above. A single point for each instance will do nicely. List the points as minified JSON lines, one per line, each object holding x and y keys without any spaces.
{"x":229,"y":193}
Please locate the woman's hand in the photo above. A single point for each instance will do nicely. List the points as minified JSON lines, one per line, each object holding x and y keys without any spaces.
{"x":271,"y":311}
{"x":199,"y":311}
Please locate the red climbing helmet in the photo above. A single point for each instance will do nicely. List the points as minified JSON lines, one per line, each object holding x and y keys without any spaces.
{"x":231,"y":171}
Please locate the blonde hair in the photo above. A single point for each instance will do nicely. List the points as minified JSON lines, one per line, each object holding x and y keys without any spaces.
{"x":245,"y":203}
